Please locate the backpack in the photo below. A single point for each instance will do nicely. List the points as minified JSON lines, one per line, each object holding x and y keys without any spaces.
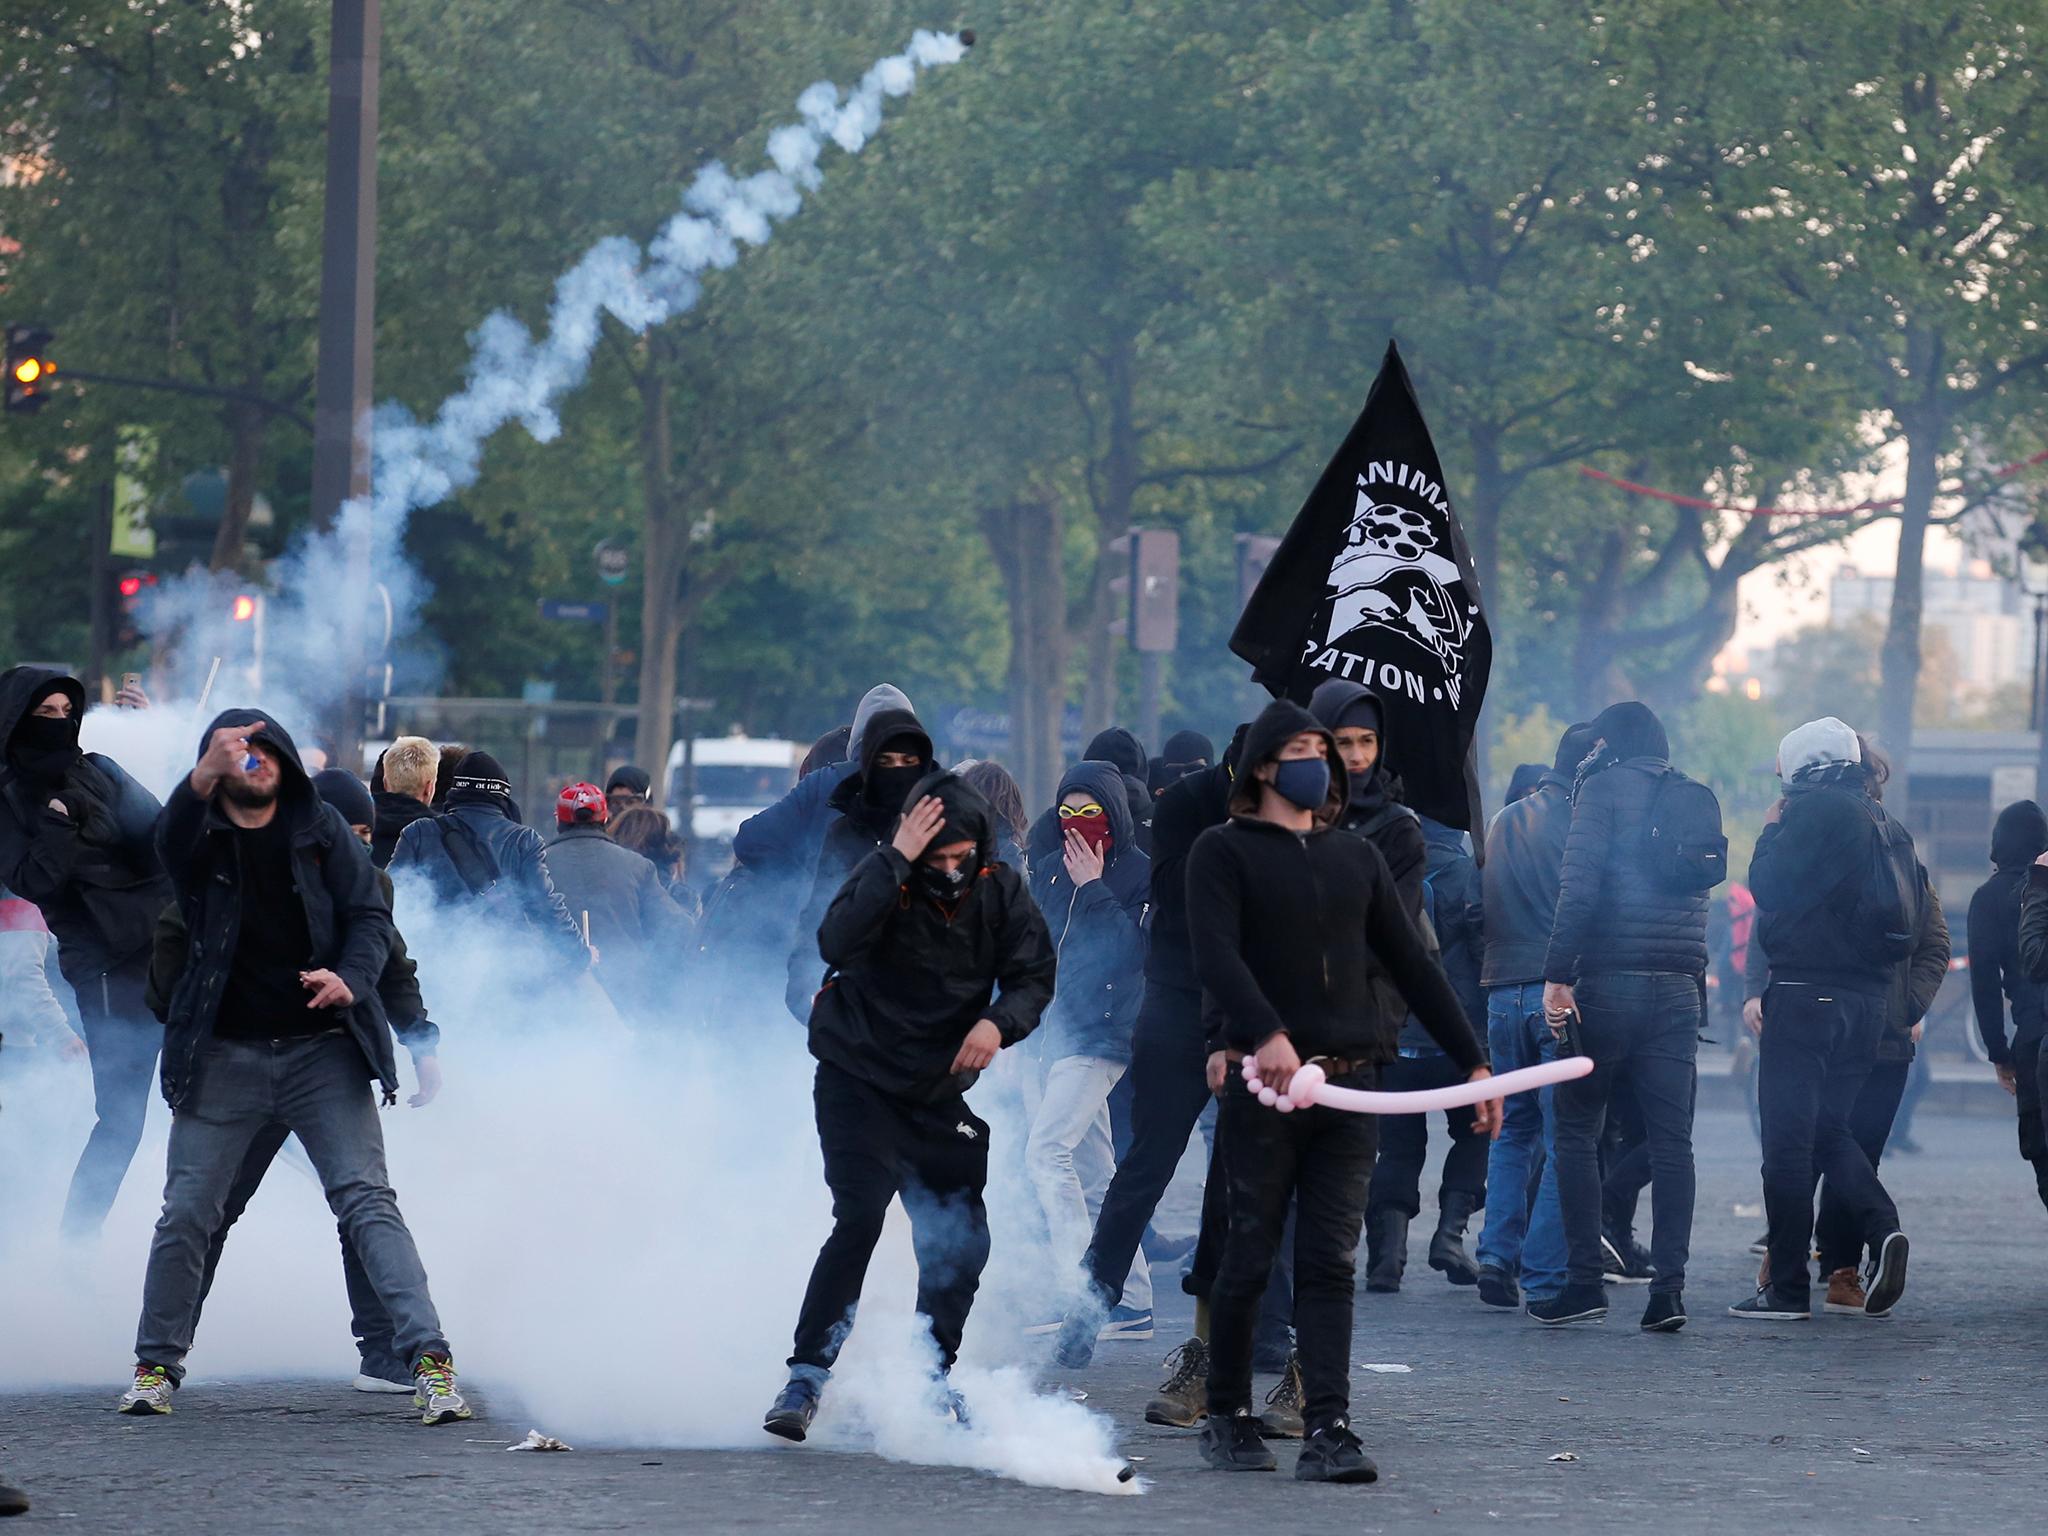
{"x":469,"y":855}
{"x":1884,"y":909}
{"x":1687,"y":849}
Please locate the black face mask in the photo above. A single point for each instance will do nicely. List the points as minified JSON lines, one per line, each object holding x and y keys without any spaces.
{"x":944,"y":884}
{"x":888,"y":788}
{"x":43,"y":748}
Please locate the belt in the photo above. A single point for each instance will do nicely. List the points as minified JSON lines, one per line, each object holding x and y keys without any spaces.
{"x":1333,"y":1066}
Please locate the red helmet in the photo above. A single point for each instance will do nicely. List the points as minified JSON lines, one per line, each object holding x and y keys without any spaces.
{"x":582,"y":802}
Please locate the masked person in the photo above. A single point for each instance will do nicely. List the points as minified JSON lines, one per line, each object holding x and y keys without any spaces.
{"x":1838,"y":893}
{"x":276,"y":1020}
{"x":1121,"y":748}
{"x":894,"y":753}
{"x":938,"y":960}
{"x":398,"y":989}
{"x":1094,"y":887}
{"x":1288,"y":917}
{"x":1627,"y":959}
{"x":627,"y":787}
{"x":76,"y":839}
{"x":1185,"y":752}
{"x":1999,"y":977}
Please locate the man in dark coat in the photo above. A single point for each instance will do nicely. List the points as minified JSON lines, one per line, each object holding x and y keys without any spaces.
{"x":1998,"y":975}
{"x":894,"y":754}
{"x":1126,"y":753}
{"x":402,"y":789}
{"x":1094,"y":887}
{"x":77,"y":840}
{"x":479,"y":854}
{"x":939,"y":959}
{"x":1628,"y":959}
{"x":1289,"y":918}
{"x":276,"y":1020}
{"x":635,"y":924}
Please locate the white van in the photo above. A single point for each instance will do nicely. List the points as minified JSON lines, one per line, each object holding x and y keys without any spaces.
{"x":736,"y":776}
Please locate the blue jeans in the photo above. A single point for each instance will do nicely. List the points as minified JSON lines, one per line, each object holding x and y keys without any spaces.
{"x":1523,"y":1234}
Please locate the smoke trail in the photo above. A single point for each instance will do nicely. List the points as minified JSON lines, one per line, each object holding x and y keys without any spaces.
{"x":512,"y":377}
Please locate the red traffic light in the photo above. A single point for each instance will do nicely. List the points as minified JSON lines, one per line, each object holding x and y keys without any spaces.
{"x":131,"y":586}
{"x":245,"y":608}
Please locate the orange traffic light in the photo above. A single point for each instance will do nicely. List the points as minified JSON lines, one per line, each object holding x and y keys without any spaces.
{"x":245,"y":608}
{"x":28,"y":370}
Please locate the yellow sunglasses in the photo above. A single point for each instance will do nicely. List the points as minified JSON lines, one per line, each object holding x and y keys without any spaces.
{"x":1069,"y":812}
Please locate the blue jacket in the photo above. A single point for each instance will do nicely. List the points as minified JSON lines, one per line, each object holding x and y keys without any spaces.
{"x":523,"y":891}
{"x":1098,"y":930}
{"x":783,"y":841}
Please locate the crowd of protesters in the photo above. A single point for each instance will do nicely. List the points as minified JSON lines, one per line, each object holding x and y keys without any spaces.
{"x":1115,"y":958}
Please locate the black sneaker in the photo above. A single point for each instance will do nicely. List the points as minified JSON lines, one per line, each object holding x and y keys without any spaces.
{"x":1623,"y":1261}
{"x":1761,"y":1247}
{"x":1235,"y":1445}
{"x":1573,"y":1304}
{"x":12,"y":1500}
{"x":1665,"y":1313}
{"x":794,"y":1408}
{"x":1771,"y":1305}
{"x":1887,"y":1277}
{"x":1332,"y":1454}
{"x":1498,"y":1288}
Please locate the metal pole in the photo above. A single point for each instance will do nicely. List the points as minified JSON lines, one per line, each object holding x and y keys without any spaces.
{"x":348,"y":304}
{"x":100,"y":606}
{"x":611,"y":650}
{"x":2040,"y":699}
{"x":1151,"y":684}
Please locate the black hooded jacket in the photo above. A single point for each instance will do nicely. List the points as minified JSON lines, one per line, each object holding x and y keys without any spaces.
{"x":1098,"y":929}
{"x":347,"y":917}
{"x":1189,"y":808}
{"x":1805,"y":875}
{"x":1288,"y":927}
{"x":395,"y":812}
{"x":1120,"y":748}
{"x":862,"y":822}
{"x":93,"y":872}
{"x":1613,"y":914}
{"x":908,"y":976}
{"x":2009,"y":933}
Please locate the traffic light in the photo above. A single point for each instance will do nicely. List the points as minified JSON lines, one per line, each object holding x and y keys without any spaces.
{"x":242,"y":645}
{"x":30,"y":368}
{"x":1151,"y":591}
{"x":134,"y":589}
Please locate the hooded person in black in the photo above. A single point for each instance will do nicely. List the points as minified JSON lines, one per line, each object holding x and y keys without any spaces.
{"x":2000,"y":973}
{"x":1377,"y":812}
{"x":276,"y":1019}
{"x":1121,"y":748}
{"x":1627,"y":958}
{"x":938,"y":960}
{"x":477,"y":852}
{"x":77,"y":840}
{"x":1185,"y":752}
{"x":895,"y":753}
{"x":1289,"y":919}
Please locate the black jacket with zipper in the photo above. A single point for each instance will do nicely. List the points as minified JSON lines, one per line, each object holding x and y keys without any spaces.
{"x":94,"y":874}
{"x":1287,"y":927}
{"x":1613,"y":914}
{"x":346,"y":914}
{"x":1098,"y":929}
{"x":910,"y":975}
{"x":1807,"y":870}
{"x":1524,"y":869}
{"x":1998,"y":973}
{"x":1189,"y":808}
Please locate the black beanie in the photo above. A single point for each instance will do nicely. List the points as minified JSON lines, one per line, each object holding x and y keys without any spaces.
{"x":347,"y":794}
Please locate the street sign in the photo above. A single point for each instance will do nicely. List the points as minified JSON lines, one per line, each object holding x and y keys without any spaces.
{"x":613,"y":562}
{"x":573,"y":613}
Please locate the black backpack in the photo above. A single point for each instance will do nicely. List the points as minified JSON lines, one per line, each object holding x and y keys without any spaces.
{"x":469,"y":855}
{"x":1687,"y":849}
{"x":1884,"y":909}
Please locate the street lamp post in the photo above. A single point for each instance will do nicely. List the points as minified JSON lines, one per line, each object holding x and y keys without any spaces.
{"x":2033,"y":574}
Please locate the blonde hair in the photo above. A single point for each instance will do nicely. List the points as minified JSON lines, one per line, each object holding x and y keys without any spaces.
{"x":411,"y":765}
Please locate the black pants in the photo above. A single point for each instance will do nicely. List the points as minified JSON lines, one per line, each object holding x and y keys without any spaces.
{"x":1624,"y":1160}
{"x":1646,"y":1025}
{"x":2030,"y":1067}
{"x":1870,"y":1122}
{"x":372,"y":1324}
{"x":1819,"y":1045}
{"x":1276,"y":1310}
{"x":1404,"y":1142}
{"x":1321,"y":1161}
{"x":1169,"y":1086}
{"x":124,"y":1042}
{"x":878,"y":1146}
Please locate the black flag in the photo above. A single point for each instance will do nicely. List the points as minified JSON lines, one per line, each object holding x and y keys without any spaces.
{"x":1374,"y":582}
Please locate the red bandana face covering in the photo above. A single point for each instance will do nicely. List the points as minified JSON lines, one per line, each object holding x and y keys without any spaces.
{"x":1094,"y":830}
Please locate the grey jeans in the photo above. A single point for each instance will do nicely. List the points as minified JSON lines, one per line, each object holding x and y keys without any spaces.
{"x":321,"y":1089}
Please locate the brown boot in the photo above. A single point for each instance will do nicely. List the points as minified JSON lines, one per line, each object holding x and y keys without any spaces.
{"x":1183,"y":1401}
{"x":1845,"y":1291}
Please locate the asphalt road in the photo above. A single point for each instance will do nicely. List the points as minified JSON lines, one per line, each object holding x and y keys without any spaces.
{"x":1932,"y":1418}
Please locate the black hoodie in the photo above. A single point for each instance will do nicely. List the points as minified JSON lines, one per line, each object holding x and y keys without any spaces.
{"x":864,"y":820}
{"x":909,"y":976}
{"x":1376,"y":809}
{"x":1287,"y":927}
{"x":92,"y":871}
{"x":347,"y":919}
{"x":1119,"y":747}
{"x":1098,"y":929}
{"x":1998,"y":972}
{"x":1197,"y":802}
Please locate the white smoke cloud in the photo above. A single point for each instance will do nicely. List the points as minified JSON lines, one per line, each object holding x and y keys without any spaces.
{"x":514,"y":377}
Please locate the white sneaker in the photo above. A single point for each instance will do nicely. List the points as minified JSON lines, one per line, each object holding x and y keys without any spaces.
{"x":150,"y":1394}
{"x":1127,"y":1323}
{"x":434,"y":1392}
{"x":365,"y":1382}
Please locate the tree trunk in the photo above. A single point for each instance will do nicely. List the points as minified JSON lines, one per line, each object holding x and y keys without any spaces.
{"x":1118,"y":489}
{"x":1926,"y":427}
{"x":1596,"y":681}
{"x":1024,"y":538}
{"x":245,"y":462}
{"x":666,"y":548}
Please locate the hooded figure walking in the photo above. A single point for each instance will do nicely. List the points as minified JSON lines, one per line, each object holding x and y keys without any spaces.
{"x":77,"y":840}
{"x":919,"y":939}
{"x":1998,"y":974}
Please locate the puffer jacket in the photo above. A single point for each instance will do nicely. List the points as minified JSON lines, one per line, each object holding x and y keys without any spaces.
{"x":1613,"y":915}
{"x":1098,"y":929}
{"x":1524,"y":868}
{"x":524,"y":892}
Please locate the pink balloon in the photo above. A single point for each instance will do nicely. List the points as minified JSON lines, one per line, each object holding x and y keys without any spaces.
{"x":1312,"y":1086}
